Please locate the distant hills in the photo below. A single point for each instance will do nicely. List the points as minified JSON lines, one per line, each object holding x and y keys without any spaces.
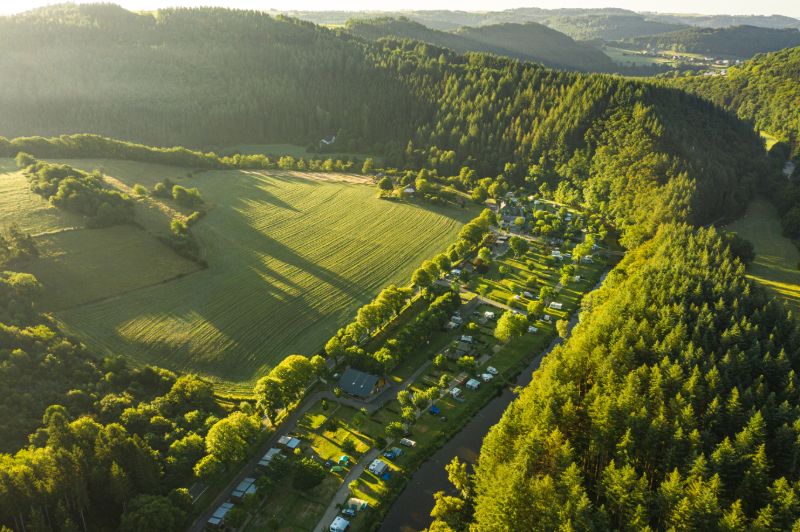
{"x":529,"y":41}
{"x":739,"y":41}
{"x":724,"y":21}
{"x":608,"y":24}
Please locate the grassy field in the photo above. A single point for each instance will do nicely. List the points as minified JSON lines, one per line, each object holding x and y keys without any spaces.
{"x":618,"y":55}
{"x":777,"y":258}
{"x":291,"y":257}
{"x":79,"y":267}
{"x":18,"y":205}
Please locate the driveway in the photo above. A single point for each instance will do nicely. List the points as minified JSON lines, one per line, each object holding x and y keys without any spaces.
{"x":342,"y":493}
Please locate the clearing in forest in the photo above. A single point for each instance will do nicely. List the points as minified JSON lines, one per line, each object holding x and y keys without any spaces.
{"x":290,"y":259}
{"x":777,"y":258}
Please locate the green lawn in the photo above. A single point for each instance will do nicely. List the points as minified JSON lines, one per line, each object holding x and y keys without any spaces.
{"x":777,"y":258}
{"x":291,"y":257}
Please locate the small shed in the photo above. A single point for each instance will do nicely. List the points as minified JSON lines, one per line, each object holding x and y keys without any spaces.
{"x":245,"y":487}
{"x":269,"y":456}
{"x":473,"y":384}
{"x":378,"y":467}
{"x":216,"y":520}
{"x":290,"y":443}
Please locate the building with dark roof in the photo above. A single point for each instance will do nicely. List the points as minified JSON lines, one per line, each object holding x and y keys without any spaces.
{"x":358,"y":383}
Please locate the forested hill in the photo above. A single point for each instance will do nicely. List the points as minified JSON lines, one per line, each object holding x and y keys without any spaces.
{"x":528,"y":42}
{"x":738,"y":41}
{"x":218,"y":77}
{"x":764,"y":90}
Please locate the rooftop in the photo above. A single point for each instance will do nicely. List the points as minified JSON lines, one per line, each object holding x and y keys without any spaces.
{"x":357,"y":383}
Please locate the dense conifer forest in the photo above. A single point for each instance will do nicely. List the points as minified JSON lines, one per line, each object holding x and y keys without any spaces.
{"x":673,"y":405}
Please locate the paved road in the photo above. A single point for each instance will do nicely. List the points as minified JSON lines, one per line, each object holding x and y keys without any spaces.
{"x":341,"y":494}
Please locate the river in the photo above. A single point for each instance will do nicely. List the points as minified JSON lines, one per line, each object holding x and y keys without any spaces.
{"x":411,"y":511}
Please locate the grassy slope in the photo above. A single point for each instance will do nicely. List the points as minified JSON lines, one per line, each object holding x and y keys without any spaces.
{"x":18,"y":205}
{"x":777,"y":258}
{"x":290,"y":260}
{"x":78,"y":267}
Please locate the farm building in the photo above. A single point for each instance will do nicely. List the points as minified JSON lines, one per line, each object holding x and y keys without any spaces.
{"x":269,"y":456}
{"x":378,"y":467}
{"x":357,"y":383}
{"x":289,"y":443}
{"x":245,"y":487}
{"x":216,"y":520}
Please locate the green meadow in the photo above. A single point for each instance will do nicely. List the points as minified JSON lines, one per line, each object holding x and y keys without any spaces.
{"x":777,"y":258}
{"x":290,"y":255}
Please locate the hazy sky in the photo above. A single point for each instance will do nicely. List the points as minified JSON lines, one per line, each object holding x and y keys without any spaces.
{"x":736,"y":7}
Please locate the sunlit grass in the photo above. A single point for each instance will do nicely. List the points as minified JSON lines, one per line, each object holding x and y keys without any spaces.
{"x":777,"y":258}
